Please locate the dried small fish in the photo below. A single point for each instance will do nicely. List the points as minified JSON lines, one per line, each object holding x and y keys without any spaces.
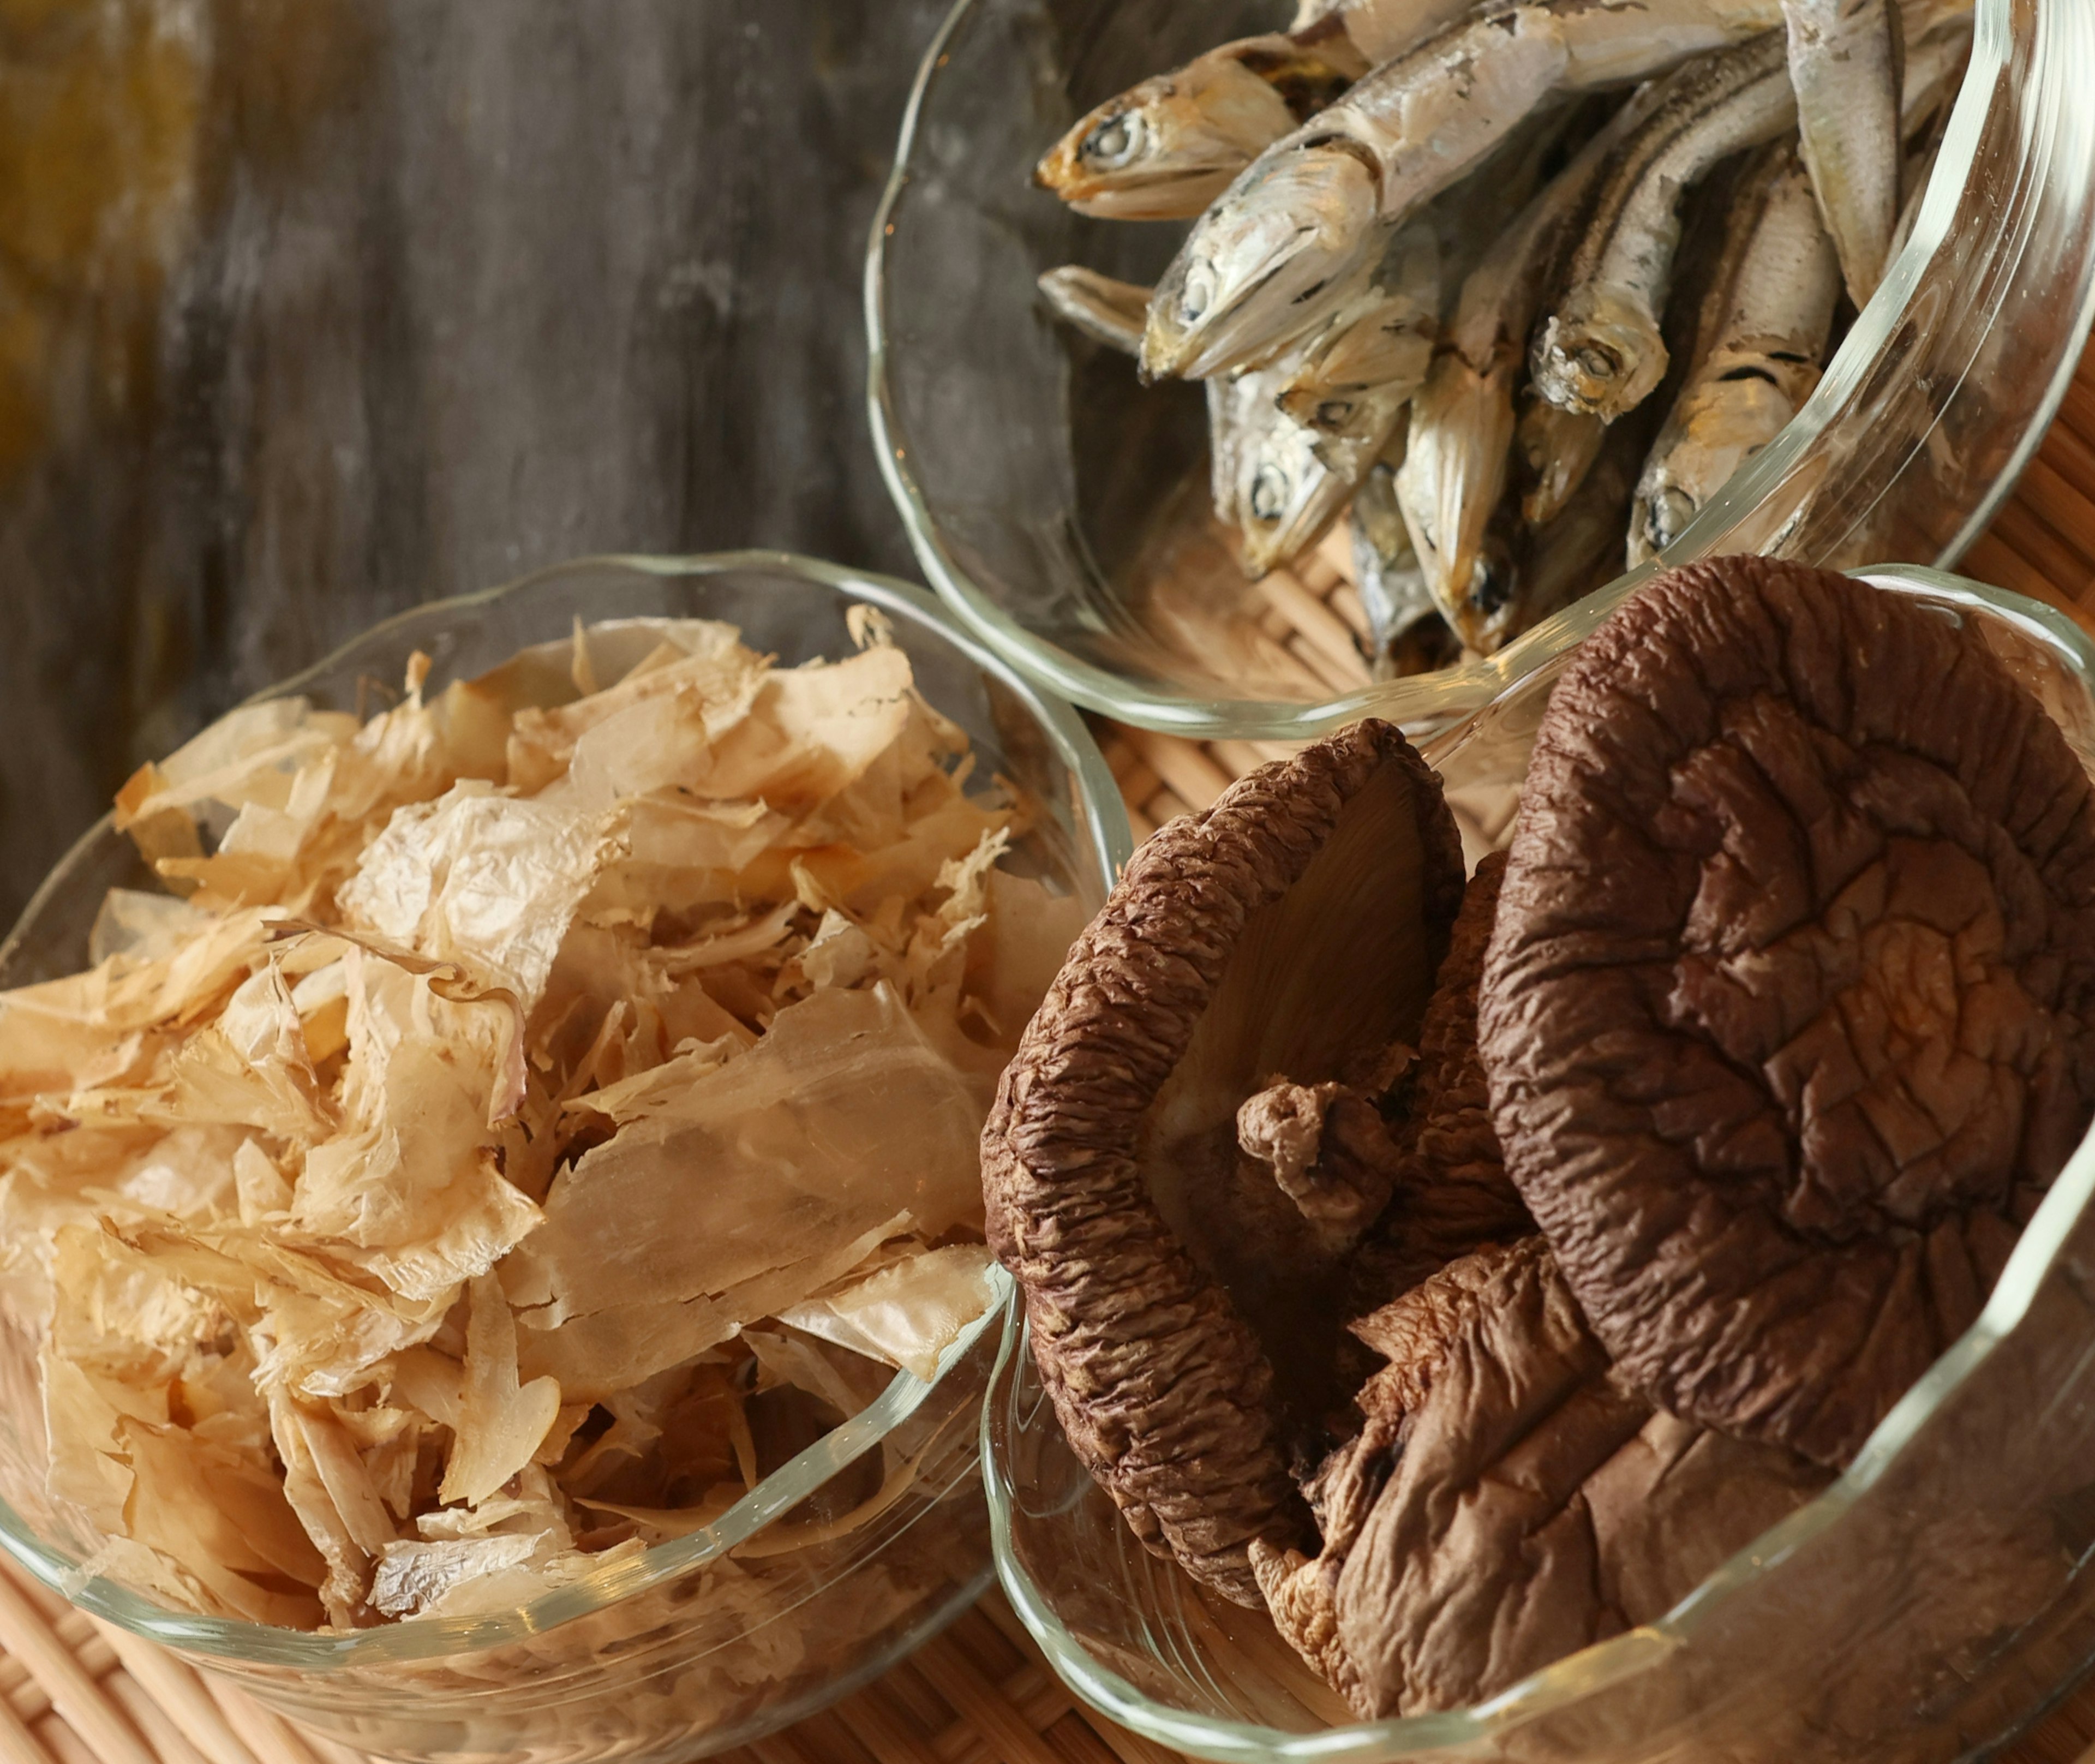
{"x":1406,"y":634}
{"x":1455,"y":463}
{"x":1377,"y":346}
{"x":1163,"y":149}
{"x":1268,"y":260}
{"x":1240,"y":407}
{"x":1935,"y":64}
{"x":1762,"y":345}
{"x":1108,"y":311}
{"x":1294,"y":481}
{"x":1383,"y":28}
{"x":1527,"y":572}
{"x":1336,"y":404}
{"x":1556,"y":449}
{"x":1601,"y":351}
{"x":1843,"y":65}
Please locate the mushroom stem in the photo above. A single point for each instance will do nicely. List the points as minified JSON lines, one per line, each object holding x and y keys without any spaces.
{"x":1329,"y":1149}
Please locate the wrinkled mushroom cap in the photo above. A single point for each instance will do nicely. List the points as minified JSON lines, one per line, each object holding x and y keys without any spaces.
{"x":1186,"y":1315}
{"x":1509,"y":1502}
{"x":1786,"y":1013}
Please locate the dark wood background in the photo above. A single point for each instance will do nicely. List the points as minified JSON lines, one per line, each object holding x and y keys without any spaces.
{"x":311,"y":309}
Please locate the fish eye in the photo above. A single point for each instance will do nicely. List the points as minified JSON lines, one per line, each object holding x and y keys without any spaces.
{"x":1333,"y":412}
{"x":1598,"y":362}
{"x":1669,"y":510}
{"x":1490,"y":588}
{"x":1199,"y":292}
{"x":1269,"y":494}
{"x":1113,"y":142}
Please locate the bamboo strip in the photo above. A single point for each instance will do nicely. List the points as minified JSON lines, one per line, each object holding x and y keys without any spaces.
{"x":2071,"y":515}
{"x":62,"y":1743}
{"x":18,"y":1746}
{"x":975,"y":1699}
{"x":1191,"y":773}
{"x":1318,"y":627}
{"x":181,"y":1694}
{"x":2065,"y":576}
{"x":262,"y":1731}
{"x":887,"y":1738}
{"x":75,"y":1696}
{"x":151,"y":1720}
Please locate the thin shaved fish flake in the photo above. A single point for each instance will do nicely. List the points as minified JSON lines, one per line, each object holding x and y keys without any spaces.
{"x":519,"y":1122}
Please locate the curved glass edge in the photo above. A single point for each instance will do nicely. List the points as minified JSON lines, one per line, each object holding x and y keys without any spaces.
{"x":1112,"y":839}
{"x":425,"y":1638}
{"x":1623,"y":1657}
{"x":1109,"y":844}
{"x":1874,"y":328}
{"x":1432,"y":701}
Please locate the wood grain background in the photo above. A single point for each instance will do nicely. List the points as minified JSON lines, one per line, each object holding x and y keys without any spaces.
{"x":311,"y":309}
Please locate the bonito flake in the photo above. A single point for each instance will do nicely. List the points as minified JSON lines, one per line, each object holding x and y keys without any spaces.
{"x":525,"y":1121}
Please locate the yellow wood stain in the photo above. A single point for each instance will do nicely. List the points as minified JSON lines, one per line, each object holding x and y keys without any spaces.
{"x":100,"y":102}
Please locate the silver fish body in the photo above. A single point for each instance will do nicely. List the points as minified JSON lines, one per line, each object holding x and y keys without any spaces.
{"x":1271,"y":255}
{"x":1759,"y":354}
{"x":1293,"y":480}
{"x":1843,"y":66}
{"x":1163,"y":149}
{"x":1286,"y":494}
{"x":1106,"y":310}
{"x":1601,"y":352}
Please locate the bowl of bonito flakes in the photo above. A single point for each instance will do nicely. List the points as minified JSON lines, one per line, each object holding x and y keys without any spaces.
{"x":490,"y":1245}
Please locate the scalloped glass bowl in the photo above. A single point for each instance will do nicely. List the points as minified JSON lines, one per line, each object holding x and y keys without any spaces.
{"x":1927,"y":1607}
{"x":757,"y":1619}
{"x":1038,"y":481}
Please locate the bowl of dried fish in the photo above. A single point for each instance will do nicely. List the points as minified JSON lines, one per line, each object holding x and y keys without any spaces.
{"x":1608,"y":1318}
{"x":1238,"y":371}
{"x":490,"y":1244}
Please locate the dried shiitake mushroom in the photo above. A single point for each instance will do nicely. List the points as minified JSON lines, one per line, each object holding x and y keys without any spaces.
{"x":1509,"y":1502}
{"x":1187,"y":1296}
{"x":1787,"y":1012}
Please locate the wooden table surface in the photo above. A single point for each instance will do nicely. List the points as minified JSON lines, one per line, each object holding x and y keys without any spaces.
{"x":309,"y":312}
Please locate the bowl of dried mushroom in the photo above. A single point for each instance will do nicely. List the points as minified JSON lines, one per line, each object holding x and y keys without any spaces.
{"x":1244,"y":370}
{"x":1573,"y":1241}
{"x":491,"y":1248}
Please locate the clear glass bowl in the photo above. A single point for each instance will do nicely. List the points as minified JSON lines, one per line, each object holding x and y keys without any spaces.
{"x":1927,"y":1605}
{"x":1032,"y":471}
{"x":711,"y":1640}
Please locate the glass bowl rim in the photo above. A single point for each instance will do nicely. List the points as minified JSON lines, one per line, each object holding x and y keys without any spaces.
{"x":1449,"y":692}
{"x":1623,"y":1657}
{"x":1108,"y":846}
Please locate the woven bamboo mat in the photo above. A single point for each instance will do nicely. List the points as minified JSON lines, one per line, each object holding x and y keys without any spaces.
{"x":73,"y":1691}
